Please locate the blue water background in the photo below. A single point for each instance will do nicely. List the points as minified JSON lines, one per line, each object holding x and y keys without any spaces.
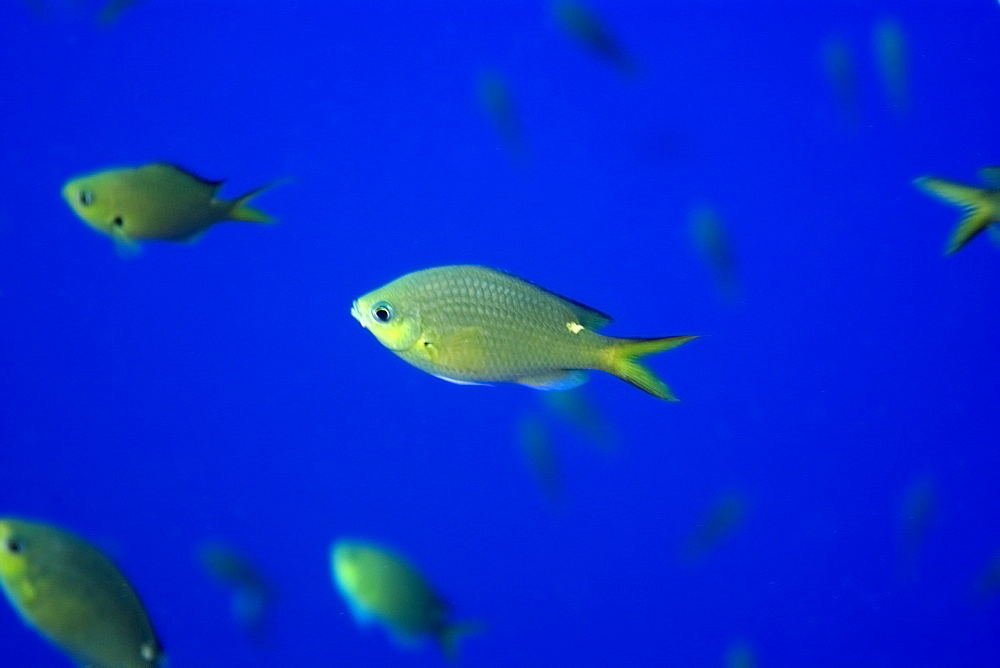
{"x":221,"y":390}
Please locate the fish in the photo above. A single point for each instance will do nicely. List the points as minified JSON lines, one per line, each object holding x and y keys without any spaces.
{"x":981,"y":205}
{"x":471,"y":324}
{"x":156,"y":201}
{"x":75,"y":596}
{"x":540,"y":454}
{"x":578,"y":410}
{"x":892,"y":58}
{"x":741,"y":655}
{"x":725,"y":516}
{"x":251,"y":592}
{"x":496,"y":100}
{"x":583,"y":24}
{"x":713,"y":242}
{"x":987,"y":585}
{"x":841,"y":71}
{"x":113,"y":9}
{"x":382,"y":587}
{"x":917,"y":511}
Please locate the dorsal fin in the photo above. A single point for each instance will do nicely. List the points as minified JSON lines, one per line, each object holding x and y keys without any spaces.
{"x":215,"y":185}
{"x":588,"y":316}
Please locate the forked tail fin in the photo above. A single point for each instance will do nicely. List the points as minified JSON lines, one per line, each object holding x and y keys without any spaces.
{"x":624,"y":362}
{"x":239,"y":210}
{"x":974,"y":201}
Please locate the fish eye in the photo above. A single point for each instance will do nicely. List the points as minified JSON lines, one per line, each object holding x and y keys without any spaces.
{"x":13,"y":545}
{"x":86,"y":197}
{"x":118,"y":221}
{"x":382,"y":312}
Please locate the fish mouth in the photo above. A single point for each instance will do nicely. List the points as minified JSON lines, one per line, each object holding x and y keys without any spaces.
{"x":356,"y":313}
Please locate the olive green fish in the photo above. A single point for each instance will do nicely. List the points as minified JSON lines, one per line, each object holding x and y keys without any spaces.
{"x":471,"y":324}
{"x":74,"y":596}
{"x":380,"y":586}
{"x":157,"y":201}
{"x":981,"y":205}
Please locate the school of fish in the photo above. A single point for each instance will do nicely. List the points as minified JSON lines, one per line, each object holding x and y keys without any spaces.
{"x":467,"y":324}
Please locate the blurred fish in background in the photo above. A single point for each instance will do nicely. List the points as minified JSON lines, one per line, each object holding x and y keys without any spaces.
{"x":113,"y":10}
{"x":917,"y":511}
{"x":539,"y":453}
{"x":840,"y":63}
{"x":108,"y":15}
{"x":497,"y":102}
{"x":583,"y":24}
{"x":74,"y":596}
{"x":382,"y":587}
{"x":577,"y":409}
{"x":156,"y":201}
{"x":741,"y":655}
{"x":252,"y":594}
{"x":893,"y":62}
{"x":987,"y":585}
{"x":722,"y":519}
{"x":712,"y":241}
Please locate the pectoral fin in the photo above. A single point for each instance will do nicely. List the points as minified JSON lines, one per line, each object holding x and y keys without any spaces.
{"x":125,"y":248}
{"x":462,"y":349}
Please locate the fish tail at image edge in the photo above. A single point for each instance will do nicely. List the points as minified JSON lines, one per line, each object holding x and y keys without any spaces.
{"x":973,"y":200}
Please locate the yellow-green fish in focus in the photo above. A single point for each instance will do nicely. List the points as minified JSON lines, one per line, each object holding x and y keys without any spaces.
{"x":157,"y":201}
{"x":75,"y":597}
{"x":981,"y":205}
{"x":471,"y":324}
{"x":380,"y":586}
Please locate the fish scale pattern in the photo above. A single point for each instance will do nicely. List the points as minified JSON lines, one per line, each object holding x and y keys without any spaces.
{"x":490,"y":326}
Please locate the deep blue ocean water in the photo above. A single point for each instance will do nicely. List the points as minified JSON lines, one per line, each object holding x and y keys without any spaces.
{"x":221,"y":390}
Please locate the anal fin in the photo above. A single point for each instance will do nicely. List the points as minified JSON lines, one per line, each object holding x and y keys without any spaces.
{"x":562,"y":379}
